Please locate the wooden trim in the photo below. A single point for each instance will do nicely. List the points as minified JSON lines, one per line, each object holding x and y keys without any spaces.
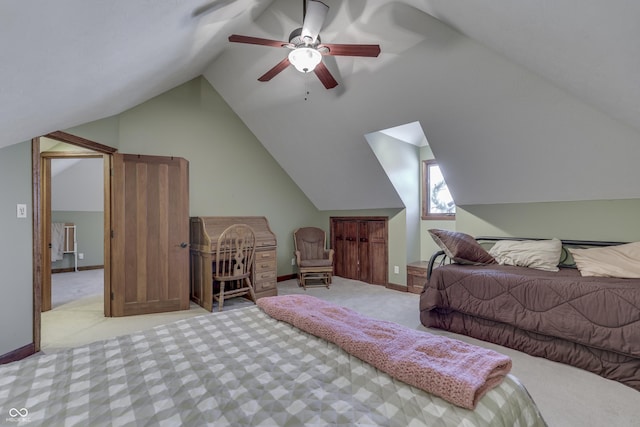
{"x":69,"y":155}
{"x":396,"y":287}
{"x":45,"y":233}
{"x":286,"y":277}
{"x":36,"y":241}
{"x":18,"y":354}
{"x":81,"y":142}
{"x":108,"y":168}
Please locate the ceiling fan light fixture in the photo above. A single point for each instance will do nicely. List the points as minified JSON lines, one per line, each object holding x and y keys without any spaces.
{"x":305,"y":59}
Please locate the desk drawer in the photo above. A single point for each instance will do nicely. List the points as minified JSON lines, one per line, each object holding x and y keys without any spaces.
{"x":267,"y":285}
{"x":265,"y":255}
{"x":262,"y":276}
{"x":265,"y":265}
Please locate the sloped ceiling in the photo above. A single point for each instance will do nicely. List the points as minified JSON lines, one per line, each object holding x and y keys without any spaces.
{"x":520,"y":101}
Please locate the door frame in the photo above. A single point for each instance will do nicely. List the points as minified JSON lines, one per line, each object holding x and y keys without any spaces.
{"x":42,"y":214}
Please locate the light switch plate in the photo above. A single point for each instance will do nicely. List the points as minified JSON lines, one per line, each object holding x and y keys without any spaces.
{"x":21,"y":210}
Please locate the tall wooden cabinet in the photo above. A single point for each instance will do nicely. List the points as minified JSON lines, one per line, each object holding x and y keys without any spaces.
{"x":361,"y":249}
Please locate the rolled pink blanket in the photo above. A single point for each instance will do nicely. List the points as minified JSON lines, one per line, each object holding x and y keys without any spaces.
{"x":456,"y":371}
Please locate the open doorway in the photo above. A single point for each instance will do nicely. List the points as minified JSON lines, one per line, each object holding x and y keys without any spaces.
{"x":43,"y":153}
{"x":77,"y":231}
{"x":146,"y":271}
{"x":73,"y":208}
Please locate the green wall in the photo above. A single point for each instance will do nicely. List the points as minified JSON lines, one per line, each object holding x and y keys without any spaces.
{"x":608,"y":220}
{"x":90,"y":237}
{"x":230,"y":172}
{"x":16,"y":277}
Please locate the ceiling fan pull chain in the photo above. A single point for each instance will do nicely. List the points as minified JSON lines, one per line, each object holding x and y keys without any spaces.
{"x":306,"y":89}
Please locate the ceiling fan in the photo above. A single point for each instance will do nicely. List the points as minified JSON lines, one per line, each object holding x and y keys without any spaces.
{"x":307,"y":49}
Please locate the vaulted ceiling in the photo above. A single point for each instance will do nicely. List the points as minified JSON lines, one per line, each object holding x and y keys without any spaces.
{"x":520,"y":101}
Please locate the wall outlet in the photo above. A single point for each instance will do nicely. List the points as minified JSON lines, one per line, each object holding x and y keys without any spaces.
{"x":293,"y":261}
{"x":80,"y":255}
{"x":396,"y":269}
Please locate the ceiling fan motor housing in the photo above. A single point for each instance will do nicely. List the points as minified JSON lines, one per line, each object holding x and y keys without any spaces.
{"x":295,"y":38}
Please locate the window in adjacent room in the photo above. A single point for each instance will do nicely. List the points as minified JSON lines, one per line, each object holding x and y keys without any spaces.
{"x":437,"y":202}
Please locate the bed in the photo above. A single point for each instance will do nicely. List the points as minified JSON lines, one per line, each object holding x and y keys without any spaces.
{"x":589,"y":322}
{"x":236,"y":368}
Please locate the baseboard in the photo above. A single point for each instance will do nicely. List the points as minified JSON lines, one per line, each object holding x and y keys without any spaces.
{"x":18,"y":354}
{"x":286,"y":277}
{"x":395,"y":287}
{"x":71,"y":270}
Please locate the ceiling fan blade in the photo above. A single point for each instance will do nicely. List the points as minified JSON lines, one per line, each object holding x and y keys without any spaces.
{"x":316,"y":12}
{"x":371,"y":50}
{"x":256,"y":40}
{"x":275,"y":70}
{"x":325,"y":76}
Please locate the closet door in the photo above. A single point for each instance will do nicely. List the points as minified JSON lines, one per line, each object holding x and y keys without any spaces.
{"x":350,"y":265}
{"x":377,"y":249}
{"x":337,"y":243}
{"x":360,"y":245}
{"x":364,"y":259}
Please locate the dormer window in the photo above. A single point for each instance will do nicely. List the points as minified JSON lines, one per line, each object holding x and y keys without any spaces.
{"x":437,"y":202}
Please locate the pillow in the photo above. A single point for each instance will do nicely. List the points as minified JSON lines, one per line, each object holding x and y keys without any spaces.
{"x":461,"y":247}
{"x":610,"y":261}
{"x":538,"y":254}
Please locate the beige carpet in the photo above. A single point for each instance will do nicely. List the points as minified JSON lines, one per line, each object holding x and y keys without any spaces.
{"x":566,"y":396}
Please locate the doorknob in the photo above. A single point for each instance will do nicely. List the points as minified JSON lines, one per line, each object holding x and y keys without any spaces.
{"x":183,"y":245}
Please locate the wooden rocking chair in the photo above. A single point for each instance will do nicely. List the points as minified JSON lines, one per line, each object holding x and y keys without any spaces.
{"x":314,"y":261}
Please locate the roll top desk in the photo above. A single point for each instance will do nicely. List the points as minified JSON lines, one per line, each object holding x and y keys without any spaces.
{"x":204,"y":233}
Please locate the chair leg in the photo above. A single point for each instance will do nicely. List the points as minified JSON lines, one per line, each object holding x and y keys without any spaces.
{"x":300,"y":280}
{"x":251,"y":292}
{"x":221,"y":297}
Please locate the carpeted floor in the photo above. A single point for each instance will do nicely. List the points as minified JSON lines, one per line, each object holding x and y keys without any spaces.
{"x":566,"y":396}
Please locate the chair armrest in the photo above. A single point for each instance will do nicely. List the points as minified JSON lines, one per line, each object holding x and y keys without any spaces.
{"x":329,"y":254}
{"x":297,"y":255}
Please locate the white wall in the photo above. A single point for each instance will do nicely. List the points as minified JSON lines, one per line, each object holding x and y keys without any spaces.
{"x":79,"y":186}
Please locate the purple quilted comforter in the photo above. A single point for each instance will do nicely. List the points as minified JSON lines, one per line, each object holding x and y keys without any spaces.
{"x":562,"y":311}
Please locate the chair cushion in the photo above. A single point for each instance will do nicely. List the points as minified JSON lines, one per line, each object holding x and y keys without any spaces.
{"x":315,"y":263}
{"x":310,"y":242}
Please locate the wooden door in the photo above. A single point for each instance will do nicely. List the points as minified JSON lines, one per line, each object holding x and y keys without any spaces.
{"x":377,"y":251}
{"x":350,"y":257}
{"x":360,"y":245}
{"x":149,"y":235}
{"x":364,"y":261}
{"x":337,"y":243}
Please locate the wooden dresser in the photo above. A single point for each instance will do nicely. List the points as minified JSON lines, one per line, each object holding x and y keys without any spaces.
{"x":204,"y":233}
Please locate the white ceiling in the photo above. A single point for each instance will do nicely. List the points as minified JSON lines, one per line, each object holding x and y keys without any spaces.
{"x":520,"y":101}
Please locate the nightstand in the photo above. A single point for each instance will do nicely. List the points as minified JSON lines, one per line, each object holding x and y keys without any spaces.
{"x":417,"y":276}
